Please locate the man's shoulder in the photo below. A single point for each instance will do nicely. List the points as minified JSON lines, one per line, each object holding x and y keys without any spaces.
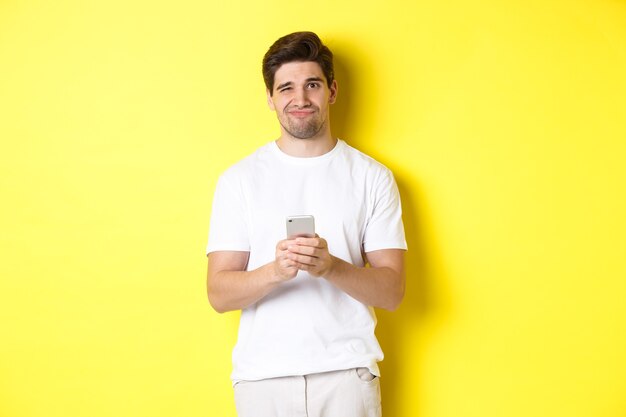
{"x":362,"y":160}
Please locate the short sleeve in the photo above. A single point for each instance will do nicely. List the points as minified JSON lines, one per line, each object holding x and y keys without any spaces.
{"x":228,"y":229}
{"x":385,"y":229}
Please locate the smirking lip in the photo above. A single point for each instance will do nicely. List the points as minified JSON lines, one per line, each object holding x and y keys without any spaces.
{"x":300,"y":113}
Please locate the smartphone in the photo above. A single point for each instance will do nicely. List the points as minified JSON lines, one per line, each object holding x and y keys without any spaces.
{"x":300,"y":226}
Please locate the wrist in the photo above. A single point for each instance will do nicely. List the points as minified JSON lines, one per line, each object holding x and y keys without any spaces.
{"x":335,"y":264}
{"x":272,"y":275}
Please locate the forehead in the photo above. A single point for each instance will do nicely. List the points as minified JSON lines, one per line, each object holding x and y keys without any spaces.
{"x":298,"y":71}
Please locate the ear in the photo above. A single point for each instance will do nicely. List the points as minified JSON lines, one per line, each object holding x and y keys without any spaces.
{"x":333,"y":92}
{"x":270,"y":102}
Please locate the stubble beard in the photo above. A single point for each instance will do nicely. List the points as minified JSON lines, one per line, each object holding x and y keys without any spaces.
{"x":301,"y":129}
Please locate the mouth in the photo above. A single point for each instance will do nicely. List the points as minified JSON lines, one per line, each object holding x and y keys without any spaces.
{"x":300,"y":114}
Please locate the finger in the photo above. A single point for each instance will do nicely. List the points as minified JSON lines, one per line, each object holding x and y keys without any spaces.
{"x":311,"y":269}
{"x":289,"y":267}
{"x":283,"y":259}
{"x":304,"y":267}
{"x":316,"y":242}
{"x":288,"y":261}
{"x":282,"y":245}
{"x":302,"y":259}
{"x":302,"y":250}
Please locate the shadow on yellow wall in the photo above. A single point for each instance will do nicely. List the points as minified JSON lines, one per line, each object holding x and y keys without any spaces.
{"x":396,"y":330}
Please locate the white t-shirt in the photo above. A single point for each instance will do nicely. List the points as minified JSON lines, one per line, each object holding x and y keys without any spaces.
{"x":306,"y":325}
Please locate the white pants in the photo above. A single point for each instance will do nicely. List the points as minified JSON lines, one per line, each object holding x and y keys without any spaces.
{"x":347,"y":393}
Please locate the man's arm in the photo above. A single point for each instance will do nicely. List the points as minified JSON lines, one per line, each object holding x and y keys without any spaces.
{"x":231,"y":287}
{"x":380,"y":285}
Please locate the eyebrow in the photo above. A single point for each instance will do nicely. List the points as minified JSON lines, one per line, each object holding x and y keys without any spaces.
{"x":279,"y":86}
{"x":308,"y":80}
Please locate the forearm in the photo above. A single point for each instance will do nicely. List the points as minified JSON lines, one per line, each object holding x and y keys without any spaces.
{"x":381,"y":287}
{"x":236,"y":290}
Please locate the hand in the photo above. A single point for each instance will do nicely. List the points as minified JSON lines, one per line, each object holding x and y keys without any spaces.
{"x":284,"y":268}
{"x":311,"y":255}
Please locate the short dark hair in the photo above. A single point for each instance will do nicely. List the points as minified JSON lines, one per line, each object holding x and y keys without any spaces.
{"x":297,"y":47}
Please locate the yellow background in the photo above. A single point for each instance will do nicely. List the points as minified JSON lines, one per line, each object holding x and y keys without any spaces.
{"x":504,"y":123}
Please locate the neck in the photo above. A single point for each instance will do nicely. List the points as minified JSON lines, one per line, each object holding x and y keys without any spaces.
{"x":306,"y":148}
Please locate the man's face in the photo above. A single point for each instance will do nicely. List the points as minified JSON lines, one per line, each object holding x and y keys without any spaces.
{"x":301,"y":99}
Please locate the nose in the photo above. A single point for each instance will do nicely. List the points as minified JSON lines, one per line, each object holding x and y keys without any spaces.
{"x":301,"y":98}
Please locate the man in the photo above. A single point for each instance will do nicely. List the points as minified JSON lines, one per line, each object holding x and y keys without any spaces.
{"x":306,"y":344}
